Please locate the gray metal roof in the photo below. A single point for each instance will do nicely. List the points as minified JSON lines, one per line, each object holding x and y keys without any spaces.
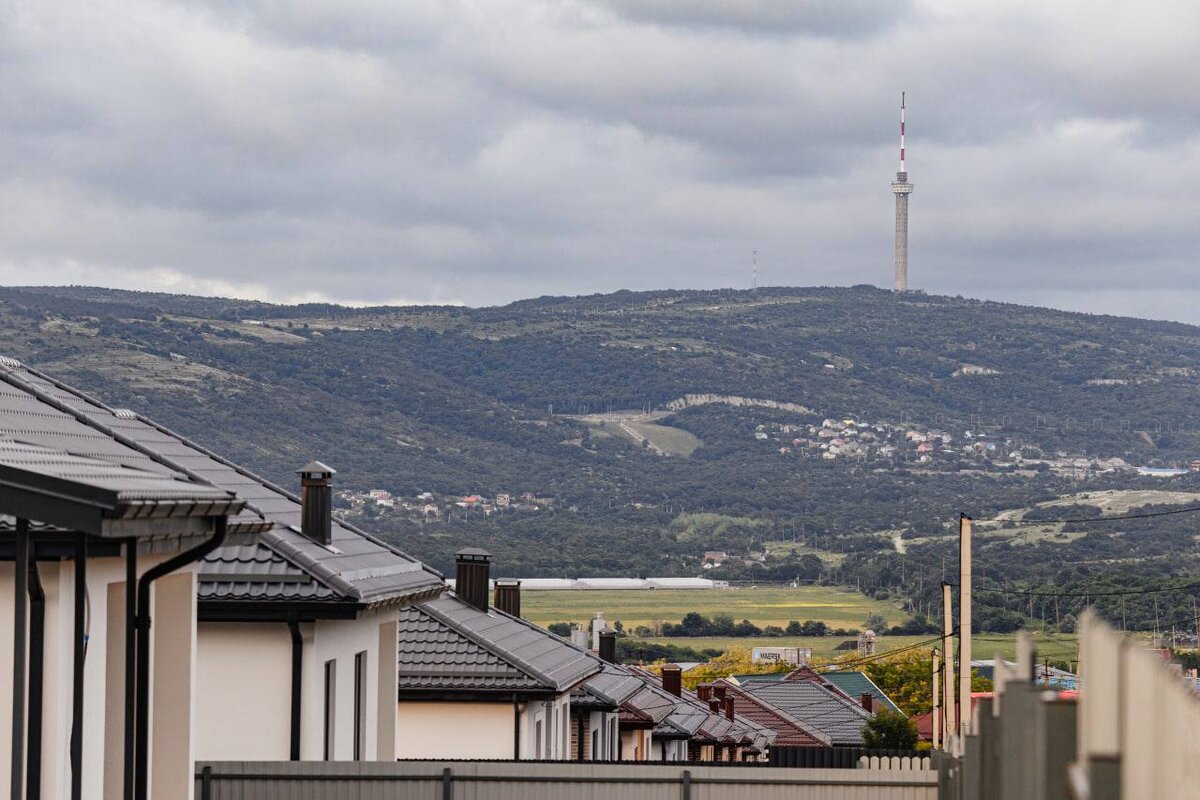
{"x":613,"y":685}
{"x":817,"y":706}
{"x":36,"y":409}
{"x":650,"y":705}
{"x":447,"y":644}
{"x":256,"y":572}
{"x":698,"y":719}
{"x":134,"y":491}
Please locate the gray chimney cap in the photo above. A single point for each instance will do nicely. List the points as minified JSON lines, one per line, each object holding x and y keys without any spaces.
{"x":473,"y":554}
{"x":317,"y":467}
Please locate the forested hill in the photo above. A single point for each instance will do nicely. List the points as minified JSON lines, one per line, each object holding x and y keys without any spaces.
{"x":959,"y":405}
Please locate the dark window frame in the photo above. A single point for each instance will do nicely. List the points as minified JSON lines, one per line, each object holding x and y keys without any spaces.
{"x":360,"y":705}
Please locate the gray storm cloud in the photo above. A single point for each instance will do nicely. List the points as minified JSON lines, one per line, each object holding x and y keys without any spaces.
{"x":472,"y":152}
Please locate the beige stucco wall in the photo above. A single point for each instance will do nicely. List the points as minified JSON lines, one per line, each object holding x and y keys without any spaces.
{"x":243,"y":685}
{"x":454,"y":730}
{"x":103,"y":681}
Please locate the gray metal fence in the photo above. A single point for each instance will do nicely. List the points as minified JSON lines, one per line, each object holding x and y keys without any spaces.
{"x":340,"y":780}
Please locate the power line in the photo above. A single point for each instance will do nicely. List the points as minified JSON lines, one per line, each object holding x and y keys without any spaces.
{"x":1023,"y":523}
{"x":842,"y":665}
{"x":1086,"y":594}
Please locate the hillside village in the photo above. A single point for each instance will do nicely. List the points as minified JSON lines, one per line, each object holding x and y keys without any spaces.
{"x":888,"y":443}
{"x":428,"y":507}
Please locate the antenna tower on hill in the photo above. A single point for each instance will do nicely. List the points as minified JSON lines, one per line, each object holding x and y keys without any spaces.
{"x":901,"y":188}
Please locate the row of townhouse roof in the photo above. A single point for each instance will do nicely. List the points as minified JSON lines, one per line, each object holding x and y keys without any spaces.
{"x":163,"y":595}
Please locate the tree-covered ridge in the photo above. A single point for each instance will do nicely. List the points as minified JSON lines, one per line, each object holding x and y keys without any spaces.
{"x":505,"y":400}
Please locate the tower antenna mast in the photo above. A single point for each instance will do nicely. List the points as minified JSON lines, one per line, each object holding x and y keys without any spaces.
{"x":901,"y":188}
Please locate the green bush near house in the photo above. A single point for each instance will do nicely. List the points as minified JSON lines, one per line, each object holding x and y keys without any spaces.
{"x":888,"y":730}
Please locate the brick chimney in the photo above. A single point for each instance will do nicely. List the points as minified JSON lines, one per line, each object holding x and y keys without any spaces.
{"x":714,"y":705}
{"x":719,"y":691}
{"x":868,"y":701}
{"x":728,"y":704}
{"x":704,"y":692}
{"x":472,"y":568}
{"x":672,"y":679}
{"x":316,"y":502}
{"x":508,"y":597}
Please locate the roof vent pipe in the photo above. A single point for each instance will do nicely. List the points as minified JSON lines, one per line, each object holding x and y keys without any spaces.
{"x":608,"y":645}
{"x":316,"y":501}
{"x":672,"y":679}
{"x":508,"y":597}
{"x":471,"y":576}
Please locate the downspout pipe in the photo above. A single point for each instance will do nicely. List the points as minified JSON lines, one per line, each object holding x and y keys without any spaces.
{"x":37,"y":649}
{"x":142,"y":740}
{"x":20,"y":643}
{"x":516,"y":728}
{"x":131,"y":546}
{"x":297,"y":673}
{"x":80,"y":651}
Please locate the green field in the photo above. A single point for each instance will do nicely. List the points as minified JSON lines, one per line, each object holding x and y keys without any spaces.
{"x":761,"y":605}
{"x":1058,"y":647}
{"x":765,"y":605}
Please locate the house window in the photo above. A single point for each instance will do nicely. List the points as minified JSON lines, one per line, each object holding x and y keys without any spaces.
{"x":537,"y":739}
{"x":595,"y":744}
{"x":360,"y":705}
{"x":330,"y":706}
{"x":612,"y":740}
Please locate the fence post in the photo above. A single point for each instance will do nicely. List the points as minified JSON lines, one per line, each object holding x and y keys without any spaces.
{"x":447,"y":784}
{"x":686,"y":780}
{"x":206,"y":783}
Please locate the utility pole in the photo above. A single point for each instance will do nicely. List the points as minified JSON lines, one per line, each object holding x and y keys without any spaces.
{"x":964,"y":624}
{"x":1196,"y":619}
{"x":937,"y":716}
{"x":948,"y":649}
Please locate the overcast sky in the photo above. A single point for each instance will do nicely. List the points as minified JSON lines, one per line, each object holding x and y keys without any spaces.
{"x":481,"y":152}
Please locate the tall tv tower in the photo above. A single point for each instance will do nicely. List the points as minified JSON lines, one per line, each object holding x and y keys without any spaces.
{"x":902,"y":189}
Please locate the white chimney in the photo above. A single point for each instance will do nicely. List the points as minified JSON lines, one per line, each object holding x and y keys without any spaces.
{"x":598,"y":624}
